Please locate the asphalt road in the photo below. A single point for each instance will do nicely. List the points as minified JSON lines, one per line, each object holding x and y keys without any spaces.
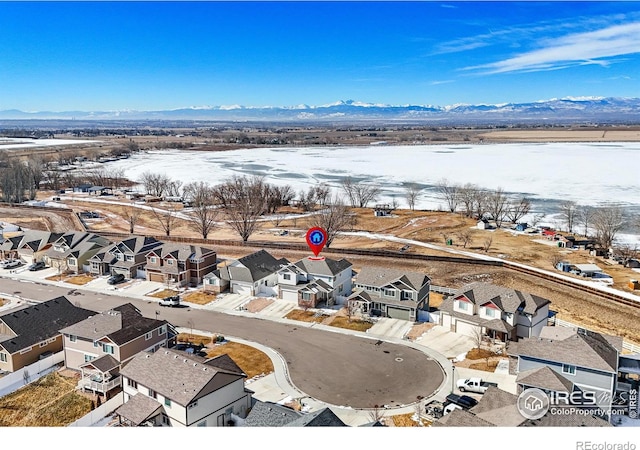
{"x":338,"y":369}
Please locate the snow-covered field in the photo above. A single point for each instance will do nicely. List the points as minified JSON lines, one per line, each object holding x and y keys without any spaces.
{"x":20,"y":143}
{"x":547,"y":173}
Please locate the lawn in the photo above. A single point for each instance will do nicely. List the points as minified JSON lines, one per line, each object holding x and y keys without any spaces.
{"x":3,"y":301}
{"x":355,"y":324}
{"x":163,"y":293}
{"x":251,"y":360}
{"x":48,"y":402}
{"x":194,"y":338}
{"x":200,"y":297}
{"x":406,"y":420}
{"x":305,"y":316}
{"x":79,"y":279}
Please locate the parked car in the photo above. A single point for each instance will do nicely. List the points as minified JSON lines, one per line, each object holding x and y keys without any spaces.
{"x":11,"y":264}
{"x":37,"y":266}
{"x":464,"y":401}
{"x":174,"y":300}
{"x":115,"y":279}
{"x":474,"y":385}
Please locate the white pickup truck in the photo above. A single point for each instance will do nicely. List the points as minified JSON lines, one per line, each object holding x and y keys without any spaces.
{"x":474,"y":385}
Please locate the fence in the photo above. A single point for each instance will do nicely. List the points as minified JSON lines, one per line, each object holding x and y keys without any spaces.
{"x":99,"y":413}
{"x":15,"y":380}
{"x":634,"y":348}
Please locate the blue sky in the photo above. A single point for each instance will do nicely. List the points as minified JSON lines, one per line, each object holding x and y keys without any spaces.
{"x":163,"y":55}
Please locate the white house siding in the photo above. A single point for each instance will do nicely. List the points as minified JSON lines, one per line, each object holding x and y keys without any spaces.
{"x":243,"y":289}
{"x":343,"y":278}
{"x":446,"y":320}
{"x":177,"y":414}
{"x":209,"y":407}
{"x":289,"y":295}
{"x":467,"y":329}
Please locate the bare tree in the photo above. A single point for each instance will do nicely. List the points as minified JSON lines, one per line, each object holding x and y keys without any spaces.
{"x":131,"y":214}
{"x":496,"y":203}
{"x":323,"y":192}
{"x":155,"y":184}
{"x":204,"y":211}
{"x":516,"y":210}
{"x":607,"y":222}
{"x":376,"y":414}
{"x":568,"y":214}
{"x":585,"y":217}
{"x":412,"y":190}
{"x":486,"y":245}
{"x":464,"y":236}
{"x":278,"y":196}
{"x":245,"y":201}
{"x":467,"y":196}
{"x":359,"y":194}
{"x":449,"y":192}
{"x":166,"y":217}
{"x":334,"y":218}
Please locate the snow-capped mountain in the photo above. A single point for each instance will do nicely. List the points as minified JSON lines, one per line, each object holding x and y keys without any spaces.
{"x":569,"y":109}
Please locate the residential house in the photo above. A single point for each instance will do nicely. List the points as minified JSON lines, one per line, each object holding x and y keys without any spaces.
{"x":501,"y":313}
{"x":180,"y":264}
{"x":71,"y":251}
{"x":265,"y":414}
{"x":173,"y":388}
{"x":127,"y":257}
{"x":314,"y":280}
{"x":254,"y":274}
{"x":498,"y":408}
{"x":35,"y":244}
{"x":564,"y":359}
{"x":99,"y":345}
{"x":29,"y":333}
{"x":391,"y":293}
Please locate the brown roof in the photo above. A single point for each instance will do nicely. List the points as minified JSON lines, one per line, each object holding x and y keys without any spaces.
{"x":461,"y":418}
{"x":384,"y":276}
{"x":177,"y":376}
{"x":105,"y":363}
{"x":583,"y":349}
{"x":499,"y":408}
{"x":138,"y":409}
{"x":545,"y":378}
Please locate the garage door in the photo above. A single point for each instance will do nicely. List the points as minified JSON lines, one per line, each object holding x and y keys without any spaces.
{"x":240,"y":289}
{"x":155,"y":277}
{"x":398,"y":313}
{"x":292,"y":296}
{"x":465,"y":328}
{"x":446,"y":321}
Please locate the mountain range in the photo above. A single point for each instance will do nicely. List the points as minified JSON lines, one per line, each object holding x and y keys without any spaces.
{"x":564,"y":110}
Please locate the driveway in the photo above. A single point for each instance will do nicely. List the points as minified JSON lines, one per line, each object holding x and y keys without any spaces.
{"x":392,"y":328}
{"x":445,"y":342}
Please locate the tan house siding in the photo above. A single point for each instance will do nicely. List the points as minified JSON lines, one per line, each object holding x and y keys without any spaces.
{"x":139,"y":344}
{"x":18,"y":360}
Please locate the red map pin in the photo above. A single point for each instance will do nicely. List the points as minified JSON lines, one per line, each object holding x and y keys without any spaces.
{"x":316,"y":239}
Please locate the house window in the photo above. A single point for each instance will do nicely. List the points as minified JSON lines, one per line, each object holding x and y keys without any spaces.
{"x":286,"y":276}
{"x":129,"y":258}
{"x":389,"y":293}
{"x":71,"y":261}
{"x":3,"y":357}
{"x":167,"y":401}
{"x":170,"y":262}
{"x":72,"y":338}
{"x":407,"y":295}
{"x":148,"y":335}
{"x":192,"y":405}
{"x":88,"y":358}
{"x":25,"y":350}
{"x":569,"y":369}
{"x":165,"y":420}
{"x":153,"y":394}
{"x":96,"y":344}
{"x":107,"y":348}
{"x":43,"y":344}
{"x":51,"y":340}
{"x":153,"y":260}
{"x":463,"y":306}
{"x":306,"y":296}
{"x":490,"y":312}
{"x":162,"y":330}
{"x":132,"y":383}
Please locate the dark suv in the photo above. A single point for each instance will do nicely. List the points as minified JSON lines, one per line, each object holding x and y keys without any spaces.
{"x":37,"y":266}
{"x":115,"y":279}
{"x":464,"y":401}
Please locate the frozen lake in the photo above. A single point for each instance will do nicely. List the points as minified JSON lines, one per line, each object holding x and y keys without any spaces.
{"x":546,"y":173}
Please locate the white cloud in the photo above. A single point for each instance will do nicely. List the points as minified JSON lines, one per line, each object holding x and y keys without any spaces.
{"x":586,"y":48}
{"x":435,"y":83}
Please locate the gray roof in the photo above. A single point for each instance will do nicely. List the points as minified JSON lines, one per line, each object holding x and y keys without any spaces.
{"x":120,"y":324}
{"x":105,"y":363}
{"x":137,"y":244}
{"x":499,"y":408}
{"x":177,"y":376}
{"x":253,"y":267}
{"x":508,"y":300}
{"x":583,"y":349}
{"x":545,"y":378}
{"x":461,"y":418}
{"x":321,"y":418}
{"x":181,"y":252}
{"x":384,"y":276}
{"x":40,"y":322}
{"x":323,"y":266}
{"x":264,"y":414}
{"x":139,"y":409}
